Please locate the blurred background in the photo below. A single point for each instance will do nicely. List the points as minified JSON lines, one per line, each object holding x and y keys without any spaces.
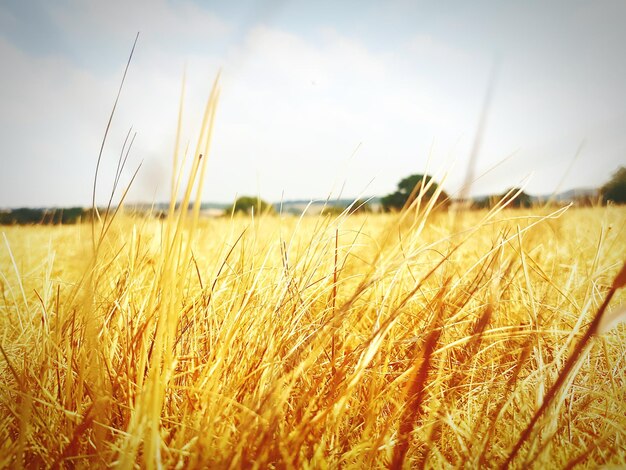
{"x":318,"y":98}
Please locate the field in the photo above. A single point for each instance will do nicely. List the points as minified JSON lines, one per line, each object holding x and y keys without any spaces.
{"x":419,"y":339}
{"x":424,"y":338}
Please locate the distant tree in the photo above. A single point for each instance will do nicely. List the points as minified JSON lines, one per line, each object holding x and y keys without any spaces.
{"x":615,"y":189}
{"x":521,"y":200}
{"x":246,"y":204}
{"x":359,"y":206}
{"x":24,"y":216}
{"x":69,"y":215}
{"x":410,"y":187}
{"x":29,"y":216}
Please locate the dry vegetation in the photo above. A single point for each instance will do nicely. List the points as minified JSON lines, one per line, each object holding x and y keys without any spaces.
{"x":419,"y":339}
{"x":307,"y":342}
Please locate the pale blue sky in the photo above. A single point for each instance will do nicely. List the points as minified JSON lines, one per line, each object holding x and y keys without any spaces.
{"x":305,"y":84}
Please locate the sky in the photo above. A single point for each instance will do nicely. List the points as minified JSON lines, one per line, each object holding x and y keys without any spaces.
{"x":317,"y":98}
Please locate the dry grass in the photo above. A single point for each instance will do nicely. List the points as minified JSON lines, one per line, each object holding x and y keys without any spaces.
{"x":420,"y":339}
{"x":358,"y":341}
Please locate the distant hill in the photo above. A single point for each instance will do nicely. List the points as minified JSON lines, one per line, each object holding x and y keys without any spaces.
{"x":571,"y":195}
{"x":164,"y":206}
{"x":57,"y":215}
{"x":574,"y":194}
{"x":315,"y":206}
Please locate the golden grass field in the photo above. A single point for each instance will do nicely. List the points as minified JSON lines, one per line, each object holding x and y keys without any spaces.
{"x":419,"y":339}
{"x":358,"y":341}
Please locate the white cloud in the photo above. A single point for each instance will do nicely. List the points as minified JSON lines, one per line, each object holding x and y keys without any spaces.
{"x":293,"y":109}
{"x":51,"y":112}
{"x":292,"y":112}
{"x":425,"y":46}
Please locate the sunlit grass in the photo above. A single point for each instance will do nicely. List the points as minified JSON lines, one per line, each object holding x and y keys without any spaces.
{"x":419,"y":339}
{"x":288,"y":342}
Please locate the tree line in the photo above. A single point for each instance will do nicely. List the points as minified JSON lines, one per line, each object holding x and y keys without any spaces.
{"x":408,"y":189}
{"x":30,"y":216}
